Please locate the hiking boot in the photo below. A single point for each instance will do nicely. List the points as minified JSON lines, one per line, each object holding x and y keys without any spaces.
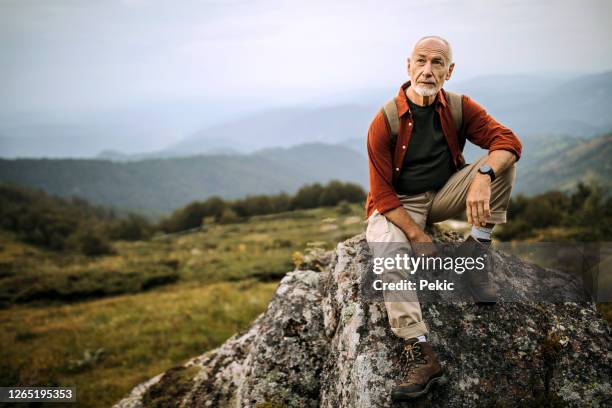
{"x":424,"y":372}
{"x":479,"y":284}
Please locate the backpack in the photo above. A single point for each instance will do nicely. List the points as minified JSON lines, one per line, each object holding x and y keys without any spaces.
{"x":389,"y":111}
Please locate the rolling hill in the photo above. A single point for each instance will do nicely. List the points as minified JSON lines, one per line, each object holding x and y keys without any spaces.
{"x":161,"y":185}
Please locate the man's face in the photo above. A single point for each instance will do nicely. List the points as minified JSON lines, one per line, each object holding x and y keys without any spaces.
{"x":429,"y":66}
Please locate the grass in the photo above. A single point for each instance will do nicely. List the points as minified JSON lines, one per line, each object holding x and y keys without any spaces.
{"x":105,"y":324}
{"x":260,"y":248}
{"x":135,"y":336}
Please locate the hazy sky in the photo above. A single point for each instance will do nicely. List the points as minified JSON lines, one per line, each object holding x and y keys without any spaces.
{"x":81,"y":54}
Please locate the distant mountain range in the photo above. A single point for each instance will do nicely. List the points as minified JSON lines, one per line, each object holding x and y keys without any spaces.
{"x":533,"y":106}
{"x":561,"y":164}
{"x":157,"y":186}
{"x":529,"y":104}
{"x":281,"y":128}
{"x":557,"y":119}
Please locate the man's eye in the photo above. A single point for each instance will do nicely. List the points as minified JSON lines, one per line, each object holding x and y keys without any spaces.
{"x":438,"y":62}
{"x":420,"y":60}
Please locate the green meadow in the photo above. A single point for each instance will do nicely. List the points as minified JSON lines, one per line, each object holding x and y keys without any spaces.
{"x":104,"y":324}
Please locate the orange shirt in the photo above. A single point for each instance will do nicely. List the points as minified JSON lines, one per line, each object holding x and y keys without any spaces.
{"x":384,"y":165}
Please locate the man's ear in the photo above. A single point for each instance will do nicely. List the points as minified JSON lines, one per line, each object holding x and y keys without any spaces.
{"x":450,"y":71}
{"x":408,"y":65}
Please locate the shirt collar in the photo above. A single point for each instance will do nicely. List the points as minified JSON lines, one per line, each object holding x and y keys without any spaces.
{"x":402,"y":99}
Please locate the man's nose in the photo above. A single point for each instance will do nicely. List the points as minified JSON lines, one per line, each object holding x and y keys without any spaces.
{"x":427,"y":69}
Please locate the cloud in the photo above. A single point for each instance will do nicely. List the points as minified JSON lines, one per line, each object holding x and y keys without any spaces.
{"x":72,"y":54}
{"x":135,"y":3}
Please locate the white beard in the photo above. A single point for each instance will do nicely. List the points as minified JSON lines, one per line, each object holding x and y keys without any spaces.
{"x":425,"y":90}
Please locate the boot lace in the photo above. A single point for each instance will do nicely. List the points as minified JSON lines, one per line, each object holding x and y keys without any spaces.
{"x":414,"y":353}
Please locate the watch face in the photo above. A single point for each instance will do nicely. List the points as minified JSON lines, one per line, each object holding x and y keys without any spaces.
{"x":485,"y":168}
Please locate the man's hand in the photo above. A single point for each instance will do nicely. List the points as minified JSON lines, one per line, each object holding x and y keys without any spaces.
{"x":419,"y":240}
{"x":423,"y":244}
{"x":477,"y":201}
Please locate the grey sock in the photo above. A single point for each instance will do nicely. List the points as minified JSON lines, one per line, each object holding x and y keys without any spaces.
{"x":481,"y":233}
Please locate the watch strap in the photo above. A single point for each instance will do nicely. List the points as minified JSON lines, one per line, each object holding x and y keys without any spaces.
{"x":490,"y":172}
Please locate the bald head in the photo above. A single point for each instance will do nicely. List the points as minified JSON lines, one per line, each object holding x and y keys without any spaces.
{"x":435,"y":41}
{"x":429,"y":66}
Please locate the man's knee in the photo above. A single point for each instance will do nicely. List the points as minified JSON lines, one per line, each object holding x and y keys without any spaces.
{"x":380,"y":229}
{"x":507,"y":176}
{"x":501,"y":191}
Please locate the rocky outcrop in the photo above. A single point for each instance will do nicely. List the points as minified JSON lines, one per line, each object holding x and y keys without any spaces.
{"x":322,"y":343}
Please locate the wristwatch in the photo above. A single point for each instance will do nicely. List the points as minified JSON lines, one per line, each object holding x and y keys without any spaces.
{"x":486,"y":169}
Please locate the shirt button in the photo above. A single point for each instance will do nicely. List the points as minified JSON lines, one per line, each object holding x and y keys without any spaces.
{"x":409,"y":124}
{"x":403,"y":147}
{"x":397,"y":169}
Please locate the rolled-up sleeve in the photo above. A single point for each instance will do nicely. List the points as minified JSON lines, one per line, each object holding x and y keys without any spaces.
{"x":483,"y":130}
{"x":380,"y":165}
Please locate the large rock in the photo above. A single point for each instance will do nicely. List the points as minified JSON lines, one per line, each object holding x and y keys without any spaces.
{"x":322,"y":343}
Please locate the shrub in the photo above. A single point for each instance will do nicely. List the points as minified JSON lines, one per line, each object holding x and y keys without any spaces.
{"x":344,"y":208}
{"x":307,"y":197}
{"x":91,"y":243}
{"x":193,"y":215}
{"x":228,"y":216}
{"x":218,"y":210}
{"x":586,"y":209}
{"x":133,"y":228}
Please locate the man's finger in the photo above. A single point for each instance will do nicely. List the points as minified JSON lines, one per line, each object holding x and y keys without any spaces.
{"x":480,"y":211}
{"x":487,"y":210}
{"x":474,"y":215}
{"x":468,"y":212}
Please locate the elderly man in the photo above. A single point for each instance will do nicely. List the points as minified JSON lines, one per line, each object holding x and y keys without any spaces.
{"x":418,"y":176}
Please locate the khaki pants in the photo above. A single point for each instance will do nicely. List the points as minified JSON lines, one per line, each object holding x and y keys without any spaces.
{"x":430,"y":207}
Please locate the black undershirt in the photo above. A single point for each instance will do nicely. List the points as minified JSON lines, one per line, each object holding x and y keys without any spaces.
{"x":427,"y":163}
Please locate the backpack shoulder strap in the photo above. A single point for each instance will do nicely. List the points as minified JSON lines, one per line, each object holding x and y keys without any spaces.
{"x":456,"y":105}
{"x":389,"y":111}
